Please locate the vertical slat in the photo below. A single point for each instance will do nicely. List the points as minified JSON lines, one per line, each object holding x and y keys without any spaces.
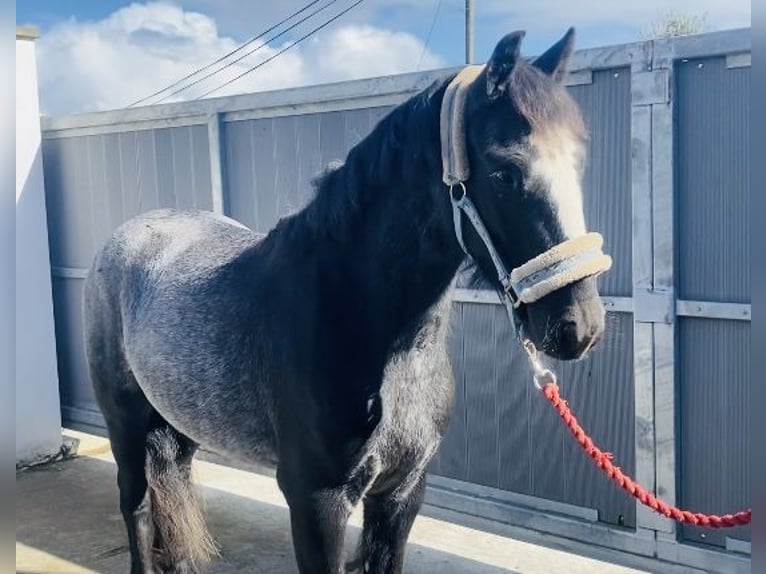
{"x":331,"y":138}
{"x":663,"y":238}
{"x":163,"y":156}
{"x":514,"y":419}
{"x":286,"y":176}
{"x":641,"y":133}
{"x":263,"y":169}
{"x":183,"y":182}
{"x":77,"y":203}
{"x":215,"y":148}
{"x":113,"y":180}
{"x":151,"y":189}
{"x":356,"y":128}
{"x":452,"y":452}
{"x":129,"y":172}
{"x":73,"y":378}
{"x":480,"y":392}
{"x":307,"y":154}
{"x":240,"y":186}
{"x":202,"y":178}
{"x":643,"y":269}
{"x":52,"y":167}
{"x":547,"y":446}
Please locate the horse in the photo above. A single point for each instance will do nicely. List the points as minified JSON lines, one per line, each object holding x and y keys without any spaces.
{"x":320,"y":347}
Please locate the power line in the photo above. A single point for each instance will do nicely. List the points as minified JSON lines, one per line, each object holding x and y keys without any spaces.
{"x":246,"y":54}
{"x":282,"y":51}
{"x":430,"y":31}
{"x":237,"y":49}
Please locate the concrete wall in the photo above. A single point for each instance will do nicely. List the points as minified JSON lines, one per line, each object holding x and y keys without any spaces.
{"x":38,"y":420}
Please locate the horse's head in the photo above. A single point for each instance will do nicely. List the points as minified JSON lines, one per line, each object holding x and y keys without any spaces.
{"x":525,"y":144}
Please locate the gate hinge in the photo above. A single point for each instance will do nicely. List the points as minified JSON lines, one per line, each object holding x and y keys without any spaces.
{"x":654,"y":305}
{"x":650,"y":87}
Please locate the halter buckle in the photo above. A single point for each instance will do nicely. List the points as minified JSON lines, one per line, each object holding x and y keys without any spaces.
{"x":511,"y":293}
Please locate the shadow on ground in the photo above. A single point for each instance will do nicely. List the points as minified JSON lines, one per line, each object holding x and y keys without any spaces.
{"x":68,"y":521}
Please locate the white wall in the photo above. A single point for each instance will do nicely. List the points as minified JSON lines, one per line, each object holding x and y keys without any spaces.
{"x":38,"y":419}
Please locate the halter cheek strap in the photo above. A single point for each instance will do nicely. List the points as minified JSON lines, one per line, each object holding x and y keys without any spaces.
{"x":563,"y":264}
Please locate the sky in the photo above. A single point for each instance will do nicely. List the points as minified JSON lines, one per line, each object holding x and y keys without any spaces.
{"x":106,"y":54}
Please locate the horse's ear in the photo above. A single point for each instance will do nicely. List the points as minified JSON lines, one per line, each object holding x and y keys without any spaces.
{"x":554,"y":62}
{"x":502,"y":62}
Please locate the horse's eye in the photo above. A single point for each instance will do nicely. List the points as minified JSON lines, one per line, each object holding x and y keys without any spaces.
{"x":502,"y":176}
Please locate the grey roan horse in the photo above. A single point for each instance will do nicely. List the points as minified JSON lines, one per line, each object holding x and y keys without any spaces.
{"x":319,"y":348}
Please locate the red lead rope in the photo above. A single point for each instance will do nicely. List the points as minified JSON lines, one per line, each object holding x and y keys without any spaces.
{"x":604,"y":461}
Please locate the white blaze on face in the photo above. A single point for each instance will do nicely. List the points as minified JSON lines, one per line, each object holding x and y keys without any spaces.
{"x":555,"y":165}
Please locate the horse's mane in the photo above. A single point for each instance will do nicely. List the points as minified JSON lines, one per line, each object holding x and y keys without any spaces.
{"x":406,"y":139}
{"x":403,"y":140}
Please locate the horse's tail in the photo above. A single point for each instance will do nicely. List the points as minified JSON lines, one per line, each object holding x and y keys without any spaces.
{"x":176,"y":506}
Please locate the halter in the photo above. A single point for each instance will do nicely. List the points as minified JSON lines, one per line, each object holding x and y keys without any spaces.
{"x":561,"y":265}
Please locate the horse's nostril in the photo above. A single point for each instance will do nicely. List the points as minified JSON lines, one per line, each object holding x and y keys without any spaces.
{"x":575,"y":338}
{"x":568,"y":339}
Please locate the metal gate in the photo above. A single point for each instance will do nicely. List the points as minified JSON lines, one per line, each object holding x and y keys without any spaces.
{"x":667,"y":185}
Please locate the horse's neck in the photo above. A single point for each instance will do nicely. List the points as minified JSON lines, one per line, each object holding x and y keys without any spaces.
{"x":397,"y":252}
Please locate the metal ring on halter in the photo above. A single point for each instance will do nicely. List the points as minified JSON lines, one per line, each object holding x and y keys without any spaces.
{"x":544,"y":378}
{"x":452,"y":194}
{"x":541,"y":376}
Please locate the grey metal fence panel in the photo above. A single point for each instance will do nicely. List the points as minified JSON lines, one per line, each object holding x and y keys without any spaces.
{"x":605,"y":104}
{"x":68,"y":202}
{"x":77,"y":397}
{"x":271,"y":162}
{"x":93,"y":184}
{"x":713,"y":180}
{"x":503,"y":434}
{"x":713,"y":194}
{"x":715,"y":422}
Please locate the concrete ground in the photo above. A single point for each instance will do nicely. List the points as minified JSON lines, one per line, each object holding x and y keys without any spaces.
{"x":67,"y":521}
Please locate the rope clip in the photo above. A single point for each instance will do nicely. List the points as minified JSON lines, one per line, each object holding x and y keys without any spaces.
{"x":541,"y":375}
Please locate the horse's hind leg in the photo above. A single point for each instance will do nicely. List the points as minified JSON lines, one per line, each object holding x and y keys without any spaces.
{"x":182,"y":540}
{"x":128,"y":440}
{"x":166,"y":530}
{"x":388,"y":519}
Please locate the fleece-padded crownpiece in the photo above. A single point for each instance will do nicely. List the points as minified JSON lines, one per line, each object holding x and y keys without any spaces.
{"x":455,"y":168}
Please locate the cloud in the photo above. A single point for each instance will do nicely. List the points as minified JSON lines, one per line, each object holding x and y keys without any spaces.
{"x":365,"y":51}
{"x":544,"y":14}
{"x":138,"y":49}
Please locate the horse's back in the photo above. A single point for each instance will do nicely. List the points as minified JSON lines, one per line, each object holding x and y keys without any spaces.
{"x":166,"y":242}
{"x":156,"y":254}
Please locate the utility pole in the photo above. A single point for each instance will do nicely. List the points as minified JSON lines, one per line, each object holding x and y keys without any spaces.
{"x":468,"y":31}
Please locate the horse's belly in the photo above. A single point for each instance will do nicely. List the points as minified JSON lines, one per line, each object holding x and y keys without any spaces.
{"x":230,"y":421}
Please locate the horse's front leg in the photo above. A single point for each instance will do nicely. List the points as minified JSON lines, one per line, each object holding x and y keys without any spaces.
{"x":318,"y":519}
{"x":388,"y":519}
{"x":319,"y":514}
